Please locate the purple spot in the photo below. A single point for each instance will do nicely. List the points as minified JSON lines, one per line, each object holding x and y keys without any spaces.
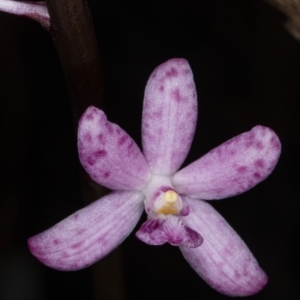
{"x":219,"y":151}
{"x":256,"y":175}
{"x":259,"y":145}
{"x":100,"y":138}
{"x":251,"y":136}
{"x":90,"y":116}
{"x":80,"y":231}
{"x":91,"y":160}
{"x":232,"y":152}
{"x":76,"y":245}
{"x":100,"y":154}
{"x":122,"y":140}
{"x":161,"y":88}
{"x":106,"y":174}
{"x":242,"y":169}
{"x":249,"y":144}
{"x":75,"y":216}
{"x":87,"y":137}
{"x":237,"y":275}
{"x":176,"y":95}
{"x":129,"y":147}
{"x":109,"y":128}
{"x":118,"y":131}
{"x":260,"y":163}
{"x":275,"y":142}
{"x":190,"y":86}
{"x":157,"y":114}
{"x":64,"y":255}
{"x":172,"y":73}
{"x":56,"y":242}
{"x":186,"y":71}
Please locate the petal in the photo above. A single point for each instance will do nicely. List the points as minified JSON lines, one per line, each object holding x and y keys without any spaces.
{"x":151,"y":232}
{"x":169,"y":116}
{"x":37,"y":11}
{"x":232,"y":168}
{"x":171,"y":230}
{"x":89,"y":234}
{"x":108,"y":153}
{"x":223,"y":260}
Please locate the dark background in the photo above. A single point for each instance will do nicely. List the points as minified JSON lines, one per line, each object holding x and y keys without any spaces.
{"x":247,"y":70}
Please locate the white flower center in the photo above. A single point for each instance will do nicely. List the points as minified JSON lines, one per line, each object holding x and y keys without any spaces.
{"x":168,"y":203}
{"x":161,"y":199}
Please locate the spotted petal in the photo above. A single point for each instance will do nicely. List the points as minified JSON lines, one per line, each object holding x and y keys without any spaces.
{"x":232,"y":168}
{"x":223,"y":260}
{"x":169,"y":116}
{"x":90,"y":233}
{"x":109,"y":154}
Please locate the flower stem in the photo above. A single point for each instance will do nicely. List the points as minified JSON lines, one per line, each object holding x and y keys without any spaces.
{"x":74,"y":37}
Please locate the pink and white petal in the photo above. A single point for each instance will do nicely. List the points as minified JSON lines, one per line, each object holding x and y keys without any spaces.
{"x":232,"y":168}
{"x":223,"y":260}
{"x":89,"y":234}
{"x":109,"y":155}
{"x":169,"y":116}
{"x":37,"y":11}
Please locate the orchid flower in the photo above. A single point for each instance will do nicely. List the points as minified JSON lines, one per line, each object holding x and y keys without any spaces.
{"x":37,"y":11}
{"x":173,"y":200}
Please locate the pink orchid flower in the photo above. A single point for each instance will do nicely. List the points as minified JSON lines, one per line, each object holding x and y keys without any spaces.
{"x":173,"y":200}
{"x":37,"y":11}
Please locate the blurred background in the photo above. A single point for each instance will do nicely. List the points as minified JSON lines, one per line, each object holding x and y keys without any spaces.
{"x":247,"y":72}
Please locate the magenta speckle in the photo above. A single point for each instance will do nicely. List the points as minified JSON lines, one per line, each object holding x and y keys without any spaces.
{"x":106,"y":174}
{"x":130,"y":149}
{"x":176,"y":95}
{"x":232,"y":152}
{"x":122,"y":140}
{"x":90,"y":116}
{"x":275,"y":142}
{"x":260,"y":163}
{"x":219,"y":151}
{"x":242,"y":169}
{"x":118,"y":131}
{"x":237,"y":275}
{"x":76,"y":245}
{"x":75,"y":216}
{"x":80,"y":231}
{"x":259,"y":145}
{"x":109,"y":128}
{"x":64,"y":255}
{"x":100,"y":138}
{"x":56,"y":242}
{"x":100,"y":154}
{"x":172,"y":73}
{"x":161,"y":88}
{"x":249,"y":144}
{"x":256,"y":175}
{"x":87,"y":137}
{"x":90,"y":160}
{"x":157,"y":114}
